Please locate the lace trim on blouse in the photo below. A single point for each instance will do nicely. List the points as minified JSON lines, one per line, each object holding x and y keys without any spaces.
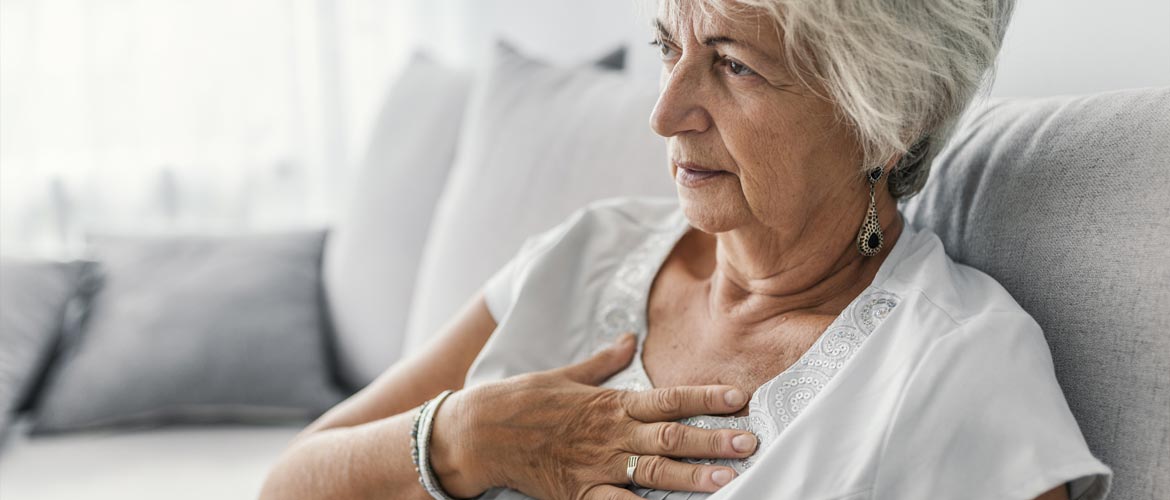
{"x":776,"y":403}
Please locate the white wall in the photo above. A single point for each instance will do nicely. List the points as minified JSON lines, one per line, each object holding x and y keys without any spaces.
{"x":1052,"y":46}
{"x":1058,"y":47}
{"x":460,"y":31}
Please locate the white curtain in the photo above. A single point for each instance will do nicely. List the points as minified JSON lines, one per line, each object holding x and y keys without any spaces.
{"x":177,"y":115}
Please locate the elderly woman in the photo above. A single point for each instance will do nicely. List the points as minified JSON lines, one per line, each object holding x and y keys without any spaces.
{"x":793,"y":337}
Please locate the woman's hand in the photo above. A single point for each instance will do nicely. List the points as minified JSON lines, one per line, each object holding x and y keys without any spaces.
{"x":556,"y":435}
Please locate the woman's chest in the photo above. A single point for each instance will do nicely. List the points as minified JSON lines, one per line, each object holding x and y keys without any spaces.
{"x":784,"y":370}
{"x":684,"y":345}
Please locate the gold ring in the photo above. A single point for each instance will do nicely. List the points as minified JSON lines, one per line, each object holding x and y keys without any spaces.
{"x":631,"y":465}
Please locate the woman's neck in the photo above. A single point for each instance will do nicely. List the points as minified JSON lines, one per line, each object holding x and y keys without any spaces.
{"x":758,"y":280}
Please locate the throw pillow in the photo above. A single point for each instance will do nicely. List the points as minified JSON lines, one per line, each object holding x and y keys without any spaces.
{"x":538,"y":141}
{"x":372,"y":254}
{"x":190,"y":329}
{"x":33,"y":299}
{"x":374,"y":249}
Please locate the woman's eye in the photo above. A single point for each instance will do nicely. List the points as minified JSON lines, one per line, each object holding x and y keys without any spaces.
{"x":663,"y":48}
{"x":738,"y":69}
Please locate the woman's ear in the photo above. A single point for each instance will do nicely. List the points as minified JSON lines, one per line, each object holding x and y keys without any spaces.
{"x":889,"y":167}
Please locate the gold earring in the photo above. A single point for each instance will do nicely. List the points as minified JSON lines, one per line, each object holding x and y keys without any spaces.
{"x":869,"y":238}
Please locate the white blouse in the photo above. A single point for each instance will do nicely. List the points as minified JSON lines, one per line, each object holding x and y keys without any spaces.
{"x":932,"y":383}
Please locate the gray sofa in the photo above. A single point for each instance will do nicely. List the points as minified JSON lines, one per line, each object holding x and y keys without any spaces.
{"x":1064,"y":200}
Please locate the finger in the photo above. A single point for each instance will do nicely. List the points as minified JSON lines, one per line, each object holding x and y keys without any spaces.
{"x":673,"y":403}
{"x":603,"y":365}
{"x":673,"y":439}
{"x":610,"y":492}
{"x":662,"y":473}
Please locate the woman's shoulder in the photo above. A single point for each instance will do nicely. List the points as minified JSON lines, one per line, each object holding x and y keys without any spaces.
{"x":960,"y":293}
{"x":946,"y":302}
{"x":587,"y":242}
{"x":545,"y":299}
{"x":979,"y":368}
{"x":633,"y":213}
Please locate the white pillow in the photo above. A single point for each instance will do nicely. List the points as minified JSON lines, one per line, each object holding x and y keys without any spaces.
{"x":373,"y":250}
{"x":537,"y":143}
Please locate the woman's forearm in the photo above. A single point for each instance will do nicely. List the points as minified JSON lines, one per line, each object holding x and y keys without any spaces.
{"x":370,"y":460}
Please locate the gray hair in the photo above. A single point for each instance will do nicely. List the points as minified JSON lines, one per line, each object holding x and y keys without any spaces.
{"x":900,"y":72}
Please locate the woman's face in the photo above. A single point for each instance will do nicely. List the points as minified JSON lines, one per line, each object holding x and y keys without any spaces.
{"x":728,"y":102}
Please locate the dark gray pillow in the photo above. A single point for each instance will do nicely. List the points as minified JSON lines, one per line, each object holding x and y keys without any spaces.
{"x":1063,"y":200}
{"x":195,"y":330}
{"x":33,"y":299}
{"x":614,"y":59}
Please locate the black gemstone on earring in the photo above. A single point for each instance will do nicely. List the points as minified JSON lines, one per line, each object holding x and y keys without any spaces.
{"x":873,"y":240}
{"x":875,"y":174}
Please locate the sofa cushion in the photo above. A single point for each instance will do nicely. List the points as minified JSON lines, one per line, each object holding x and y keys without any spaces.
{"x":374,"y":249}
{"x":538,"y":142}
{"x":195,"y":330}
{"x":33,"y":300}
{"x":1066,"y":202}
{"x":174,"y":463}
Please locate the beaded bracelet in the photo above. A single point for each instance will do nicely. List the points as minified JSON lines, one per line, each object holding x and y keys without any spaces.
{"x":414,"y":437}
{"x":420,"y":445}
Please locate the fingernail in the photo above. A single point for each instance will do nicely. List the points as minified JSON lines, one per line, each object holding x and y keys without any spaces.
{"x":721,"y":477}
{"x":743,"y":442}
{"x":734,"y":397}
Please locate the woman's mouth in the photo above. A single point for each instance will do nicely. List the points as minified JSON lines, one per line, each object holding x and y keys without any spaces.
{"x":695,"y":178}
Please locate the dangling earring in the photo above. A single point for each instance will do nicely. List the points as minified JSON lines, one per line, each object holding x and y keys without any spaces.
{"x":869,"y":239}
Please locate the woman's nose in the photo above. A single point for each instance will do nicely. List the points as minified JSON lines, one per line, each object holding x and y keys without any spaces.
{"x":680,"y":108}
